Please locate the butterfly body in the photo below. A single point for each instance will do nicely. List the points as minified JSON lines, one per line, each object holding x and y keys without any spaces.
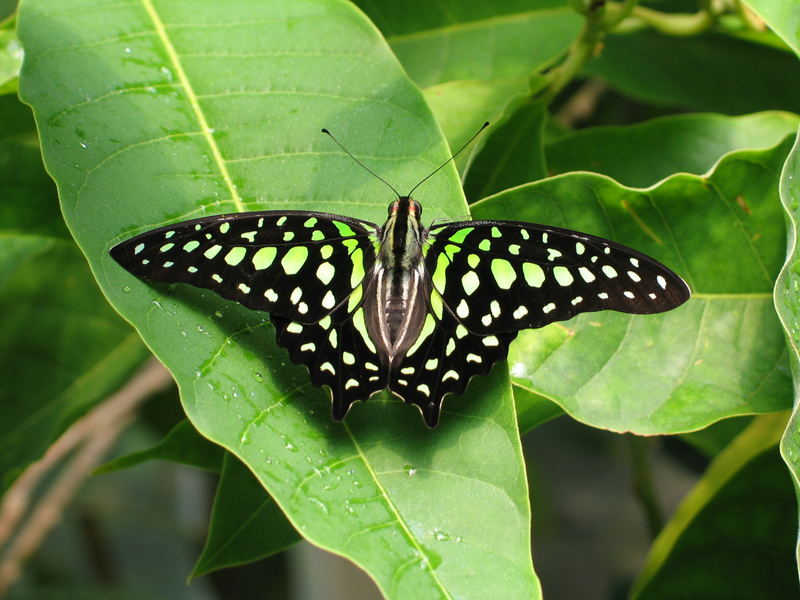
{"x":397,"y":293}
{"x":416,"y":310}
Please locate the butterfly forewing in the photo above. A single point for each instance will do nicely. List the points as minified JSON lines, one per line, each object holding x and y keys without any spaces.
{"x":306,"y":269}
{"x":503,"y":276}
{"x":298,"y":265}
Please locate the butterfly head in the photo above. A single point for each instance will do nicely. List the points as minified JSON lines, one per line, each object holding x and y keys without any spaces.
{"x":405,"y":205}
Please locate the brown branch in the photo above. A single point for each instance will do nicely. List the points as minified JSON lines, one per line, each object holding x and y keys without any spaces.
{"x":97,"y":431}
{"x":582,"y":104}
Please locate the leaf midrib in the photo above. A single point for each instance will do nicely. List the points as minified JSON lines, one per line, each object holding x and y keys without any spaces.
{"x":394,"y":510}
{"x":194,"y":102}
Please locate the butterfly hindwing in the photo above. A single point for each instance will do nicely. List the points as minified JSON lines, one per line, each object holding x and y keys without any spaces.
{"x":338,"y":353}
{"x":442,"y":361}
{"x":298,"y":265}
{"x":503,"y":276}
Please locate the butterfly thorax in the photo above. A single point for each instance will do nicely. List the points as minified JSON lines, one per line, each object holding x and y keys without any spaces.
{"x":396,"y":298}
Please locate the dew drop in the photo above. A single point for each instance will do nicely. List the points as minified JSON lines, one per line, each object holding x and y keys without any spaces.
{"x":127,"y":289}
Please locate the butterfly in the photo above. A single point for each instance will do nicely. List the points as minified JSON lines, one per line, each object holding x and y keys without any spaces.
{"x":418,"y":310}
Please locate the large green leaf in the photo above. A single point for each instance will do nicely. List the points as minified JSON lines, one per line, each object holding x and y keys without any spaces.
{"x":711,"y":72}
{"x":787,"y":303}
{"x":733,"y":535}
{"x":185,"y":109}
{"x":782,"y":17}
{"x":62,"y":348}
{"x":481,"y":39}
{"x":719,"y":355}
{"x":642,"y":154}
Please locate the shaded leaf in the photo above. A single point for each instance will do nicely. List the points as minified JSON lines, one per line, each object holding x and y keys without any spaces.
{"x":719,"y":355}
{"x":246,"y":524}
{"x":210,"y":108}
{"x":182,"y":444}
{"x":641,"y":155}
{"x":513,"y":155}
{"x":62,"y":348}
{"x":703,"y":73}
{"x":733,"y":534}
{"x":461,"y":107}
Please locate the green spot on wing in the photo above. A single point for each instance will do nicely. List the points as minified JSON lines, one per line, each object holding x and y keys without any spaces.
{"x":264,"y":257}
{"x":504,"y":273}
{"x":470,"y":281}
{"x":459,"y":236}
{"x":212,"y":252}
{"x":235,"y":256}
{"x":294,"y":259}
{"x":563,"y":276}
{"x":358,"y":267}
{"x":534,"y":274}
{"x":427,"y":330}
{"x":440,"y":273}
{"x":344,"y":229}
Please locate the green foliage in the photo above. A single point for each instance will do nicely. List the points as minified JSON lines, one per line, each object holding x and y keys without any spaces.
{"x":154,"y":112}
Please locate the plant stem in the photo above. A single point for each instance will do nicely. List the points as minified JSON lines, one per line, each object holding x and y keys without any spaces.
{"x":602,"y":17}
{"x":579,"y":52}
{"x":643,"y":484}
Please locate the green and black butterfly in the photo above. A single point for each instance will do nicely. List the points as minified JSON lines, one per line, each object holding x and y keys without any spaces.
{"x":400,"y":306}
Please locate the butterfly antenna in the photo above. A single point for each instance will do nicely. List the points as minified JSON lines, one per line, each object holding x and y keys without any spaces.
{"x":363,"y":166}
{"x":439,"y":168}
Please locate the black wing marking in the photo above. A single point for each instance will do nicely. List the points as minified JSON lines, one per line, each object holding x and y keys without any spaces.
{"x":443,"y":360}
{"x":298,"y":265}
{"x":338,"y":353}
{"x":503,"y":276}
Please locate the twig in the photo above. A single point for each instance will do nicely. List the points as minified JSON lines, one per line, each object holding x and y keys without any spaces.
{"x":581,"y":104}
{"x":98,"y":429}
